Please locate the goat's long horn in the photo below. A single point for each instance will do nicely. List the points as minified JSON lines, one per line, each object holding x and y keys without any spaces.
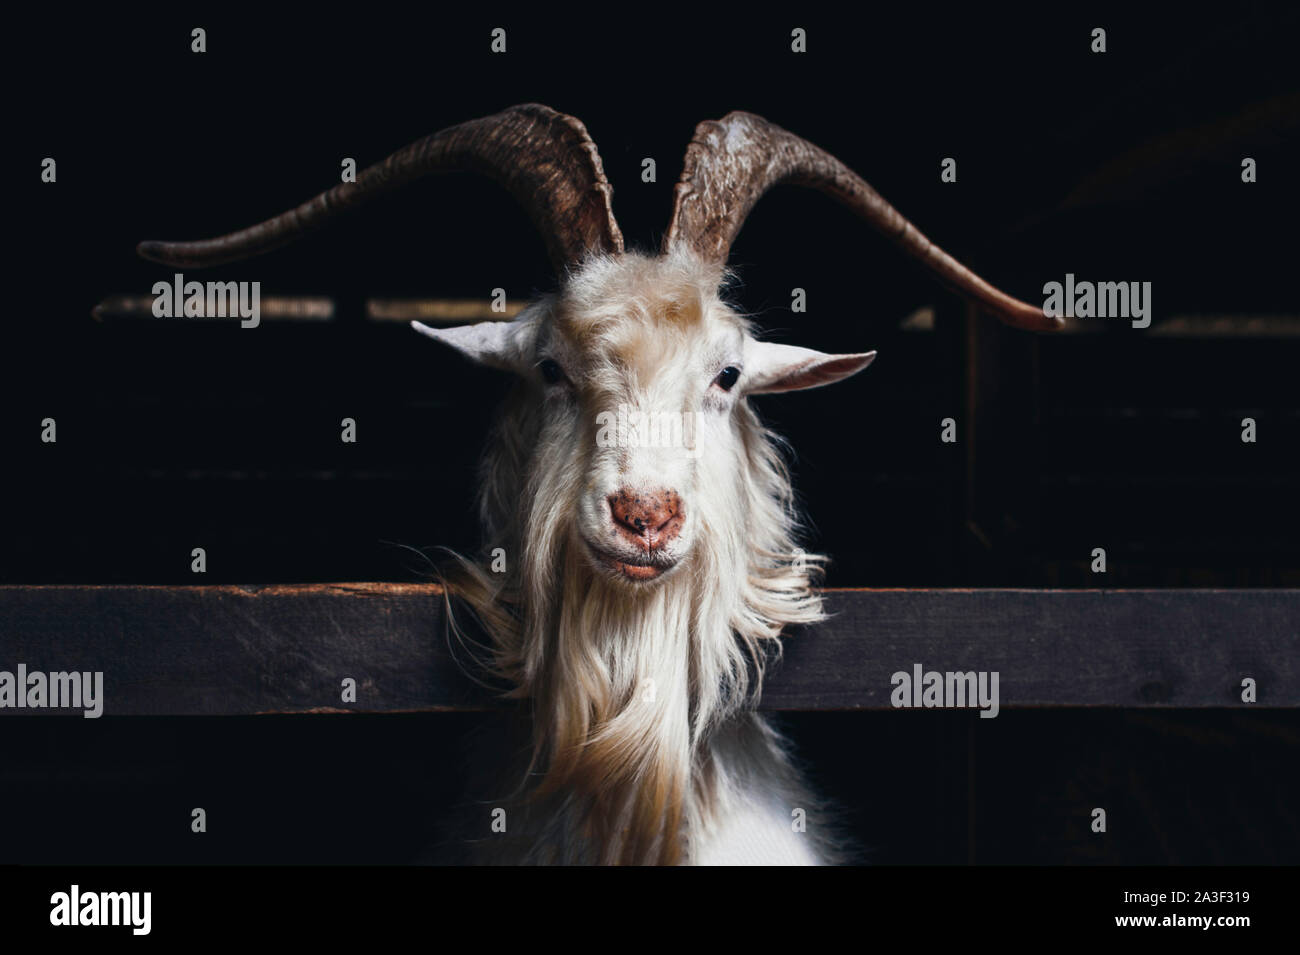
{"x":732,"y":162}
{"x":544,"y":158}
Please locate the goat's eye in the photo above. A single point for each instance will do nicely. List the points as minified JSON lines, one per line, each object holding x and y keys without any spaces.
{"x":727,"y":378}
{"x":551,"y":371}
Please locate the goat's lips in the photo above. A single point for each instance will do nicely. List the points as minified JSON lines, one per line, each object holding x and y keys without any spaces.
{"x":637,"y":571}
{"x":628,"y":569}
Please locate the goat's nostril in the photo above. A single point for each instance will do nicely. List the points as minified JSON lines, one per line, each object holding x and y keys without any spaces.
{"x":650,"y":519}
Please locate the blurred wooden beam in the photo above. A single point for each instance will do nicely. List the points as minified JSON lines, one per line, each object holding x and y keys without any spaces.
{"x":309,"y":308}
{"x":438,"y":311}
{"x":322,"y":308}
{"x":1194,"y":326}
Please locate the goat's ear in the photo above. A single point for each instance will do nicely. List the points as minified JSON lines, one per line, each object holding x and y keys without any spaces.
{"x":496,"y":344}
{"x":770,"y":367}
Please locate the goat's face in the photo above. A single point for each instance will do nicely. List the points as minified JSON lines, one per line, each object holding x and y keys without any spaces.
{"x":639,"y":371}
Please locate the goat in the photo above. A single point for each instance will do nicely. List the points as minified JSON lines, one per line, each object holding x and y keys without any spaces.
{"x":648,"y":585}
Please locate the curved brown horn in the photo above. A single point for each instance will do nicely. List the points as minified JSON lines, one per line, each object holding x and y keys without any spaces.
{"x":732,"y":162}
{"x":544,"y":158}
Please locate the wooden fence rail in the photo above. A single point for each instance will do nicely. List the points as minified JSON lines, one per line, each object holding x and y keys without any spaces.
{"x":259,"y":649}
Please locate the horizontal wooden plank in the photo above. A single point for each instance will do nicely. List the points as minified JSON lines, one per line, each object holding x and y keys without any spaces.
{"x":312,"y":308}
{"x":439,"y":311}
{"x":1197,"y":326}
{"x":258,"y":649}
{"x":322,"y":308}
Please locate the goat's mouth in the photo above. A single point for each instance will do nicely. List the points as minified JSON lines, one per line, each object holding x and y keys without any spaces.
{"x":639,"y":568}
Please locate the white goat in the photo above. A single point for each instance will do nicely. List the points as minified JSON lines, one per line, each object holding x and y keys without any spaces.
{"x":648,"y":581}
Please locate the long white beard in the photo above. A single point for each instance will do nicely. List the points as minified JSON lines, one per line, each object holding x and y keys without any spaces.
{"x":645,"y":748}
{"x":645,"y":745}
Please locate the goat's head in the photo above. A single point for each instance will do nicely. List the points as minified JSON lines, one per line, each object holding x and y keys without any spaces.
{"x":636,"y":368}
{"x":639,"y":371}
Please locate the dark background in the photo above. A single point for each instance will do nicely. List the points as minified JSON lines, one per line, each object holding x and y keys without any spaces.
{"x":1123,"y":166}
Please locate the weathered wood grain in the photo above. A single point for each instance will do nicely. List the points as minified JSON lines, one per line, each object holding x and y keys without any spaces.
{"x":257,"y":649}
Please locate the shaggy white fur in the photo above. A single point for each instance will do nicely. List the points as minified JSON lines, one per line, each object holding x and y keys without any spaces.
{"x":645,"y":743}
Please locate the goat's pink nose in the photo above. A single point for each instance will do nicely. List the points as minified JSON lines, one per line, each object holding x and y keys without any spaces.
{"x":649,"y":519}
